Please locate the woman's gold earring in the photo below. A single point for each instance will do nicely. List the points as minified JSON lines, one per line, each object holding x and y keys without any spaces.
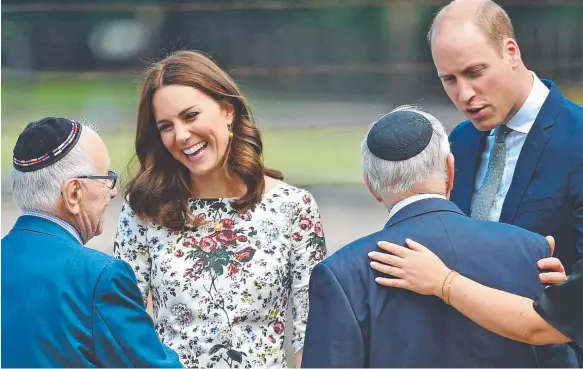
{"x":230,"y":132}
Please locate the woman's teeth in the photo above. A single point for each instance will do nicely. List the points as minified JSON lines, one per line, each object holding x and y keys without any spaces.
{"x":194,"y":149}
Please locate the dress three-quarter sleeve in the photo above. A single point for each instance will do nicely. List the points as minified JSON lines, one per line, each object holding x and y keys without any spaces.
{"x":308,"y":249}
{"x":131,"y":245}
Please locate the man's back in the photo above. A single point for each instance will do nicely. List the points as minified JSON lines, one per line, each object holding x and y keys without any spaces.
{"x":371,"y":325}
{"x":64,"y":305}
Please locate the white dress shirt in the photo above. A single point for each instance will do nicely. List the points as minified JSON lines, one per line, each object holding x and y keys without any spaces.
{"x":520,"y":124}
{"x":409,"y":200}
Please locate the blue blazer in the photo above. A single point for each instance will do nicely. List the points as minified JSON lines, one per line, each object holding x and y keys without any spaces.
{"x":546,"y":193}
{"x":355,"y":322}
{"x":65,"y":305}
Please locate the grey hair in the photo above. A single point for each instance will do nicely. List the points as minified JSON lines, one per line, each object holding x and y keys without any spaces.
{"x":41,"y":189}
{"x":395,"y":177}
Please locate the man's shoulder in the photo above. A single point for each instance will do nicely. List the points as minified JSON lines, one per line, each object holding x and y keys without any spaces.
{"x":96,"y":263}
{"x":573,"y":113}
{"x":98,"y":258}
{"x":492,"y":227}
{"x":462,"y":129}
{"x":353,"y":258}
{"x":357,"y":247}
{"x":62,"y":253}
{"x":570,"y":113}
{"x":507,"y":235}
{"x":568,"y":129}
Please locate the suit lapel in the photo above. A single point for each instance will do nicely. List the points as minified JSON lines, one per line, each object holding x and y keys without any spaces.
{"x":535,"y":143}
{"x":470,"y":149}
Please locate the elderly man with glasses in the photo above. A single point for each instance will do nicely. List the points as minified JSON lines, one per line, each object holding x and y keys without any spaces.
{"x":63,"y":304}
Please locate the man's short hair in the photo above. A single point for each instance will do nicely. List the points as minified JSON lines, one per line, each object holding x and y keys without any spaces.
{"x":41,"y":189}
{"x":489,"y":17}
{"x":394,"y":177}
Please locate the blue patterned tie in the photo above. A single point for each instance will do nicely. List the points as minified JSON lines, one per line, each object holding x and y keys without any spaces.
{"x":484,"y":198}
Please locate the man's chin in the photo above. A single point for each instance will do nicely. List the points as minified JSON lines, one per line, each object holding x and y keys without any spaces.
{"x":484,"y":125}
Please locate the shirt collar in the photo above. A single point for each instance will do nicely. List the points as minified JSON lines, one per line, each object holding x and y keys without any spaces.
{"x":409,"y":200}
{"x":524,"y":119}
{"x":60,"y":222}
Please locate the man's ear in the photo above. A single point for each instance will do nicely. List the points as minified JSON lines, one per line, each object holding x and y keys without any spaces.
{"x":513,"y":51}
{"x":450,"y":173}
{"x":372,"y":192}
{"x":72,"y":194}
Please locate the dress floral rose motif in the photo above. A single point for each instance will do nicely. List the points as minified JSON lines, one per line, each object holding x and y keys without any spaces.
{"x":220,"y":290}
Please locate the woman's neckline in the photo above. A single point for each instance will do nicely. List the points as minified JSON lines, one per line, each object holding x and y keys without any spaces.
{"x":210,"y":199}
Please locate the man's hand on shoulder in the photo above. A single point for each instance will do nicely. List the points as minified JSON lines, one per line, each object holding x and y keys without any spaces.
{"x":553,"y":269}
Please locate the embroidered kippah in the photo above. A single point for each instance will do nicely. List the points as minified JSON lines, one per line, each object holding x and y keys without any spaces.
{"x":45,"y":142}
{"x":399,"y":135}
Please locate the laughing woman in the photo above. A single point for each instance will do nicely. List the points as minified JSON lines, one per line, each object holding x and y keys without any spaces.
{"x":223,"y":245}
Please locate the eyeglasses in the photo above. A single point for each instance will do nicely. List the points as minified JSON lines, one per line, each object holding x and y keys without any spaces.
{"x":110,"y":178}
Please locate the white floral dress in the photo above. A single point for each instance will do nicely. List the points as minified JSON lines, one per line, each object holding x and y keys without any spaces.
{"x":220,"y":291}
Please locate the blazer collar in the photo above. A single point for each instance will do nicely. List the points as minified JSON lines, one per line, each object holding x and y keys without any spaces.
{"x":45,"y":226}
{"x":423,"y":207}
{"x":532,"y":150}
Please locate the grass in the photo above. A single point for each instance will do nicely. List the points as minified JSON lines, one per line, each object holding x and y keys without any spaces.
{"x":305,"y":156}
{"x":315,"y":156}
{"x":318,"y":155}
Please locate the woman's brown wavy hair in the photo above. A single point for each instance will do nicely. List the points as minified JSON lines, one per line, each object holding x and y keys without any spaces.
{"x":161,"y":188}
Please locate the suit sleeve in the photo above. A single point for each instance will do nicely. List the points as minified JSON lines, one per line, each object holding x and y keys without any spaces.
{"x":123,"y":331}
{"x":576,"y":193}
{"x":553,"y":355}
{"x":333,"y":335}
{"x":562,"y":305}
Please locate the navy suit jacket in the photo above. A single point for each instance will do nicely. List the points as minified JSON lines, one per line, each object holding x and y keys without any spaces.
{"x":546,"y":193}
{"x":65,"y":305}
{"x":355,"y":322}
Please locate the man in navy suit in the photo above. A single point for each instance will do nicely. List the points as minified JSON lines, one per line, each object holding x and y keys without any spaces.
{"x":519,"y":154}
{"x":354,"y":322}
{"x":65,"y":305}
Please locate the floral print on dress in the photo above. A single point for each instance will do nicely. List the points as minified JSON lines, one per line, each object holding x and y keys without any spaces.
{"x":220,"y":290}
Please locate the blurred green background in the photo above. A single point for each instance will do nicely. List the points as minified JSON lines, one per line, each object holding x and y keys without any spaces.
{"x":306,"y":155}
{"x":317,"y":73}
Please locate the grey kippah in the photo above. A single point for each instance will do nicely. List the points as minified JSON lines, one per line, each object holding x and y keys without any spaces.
{"x":399,"y":135}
